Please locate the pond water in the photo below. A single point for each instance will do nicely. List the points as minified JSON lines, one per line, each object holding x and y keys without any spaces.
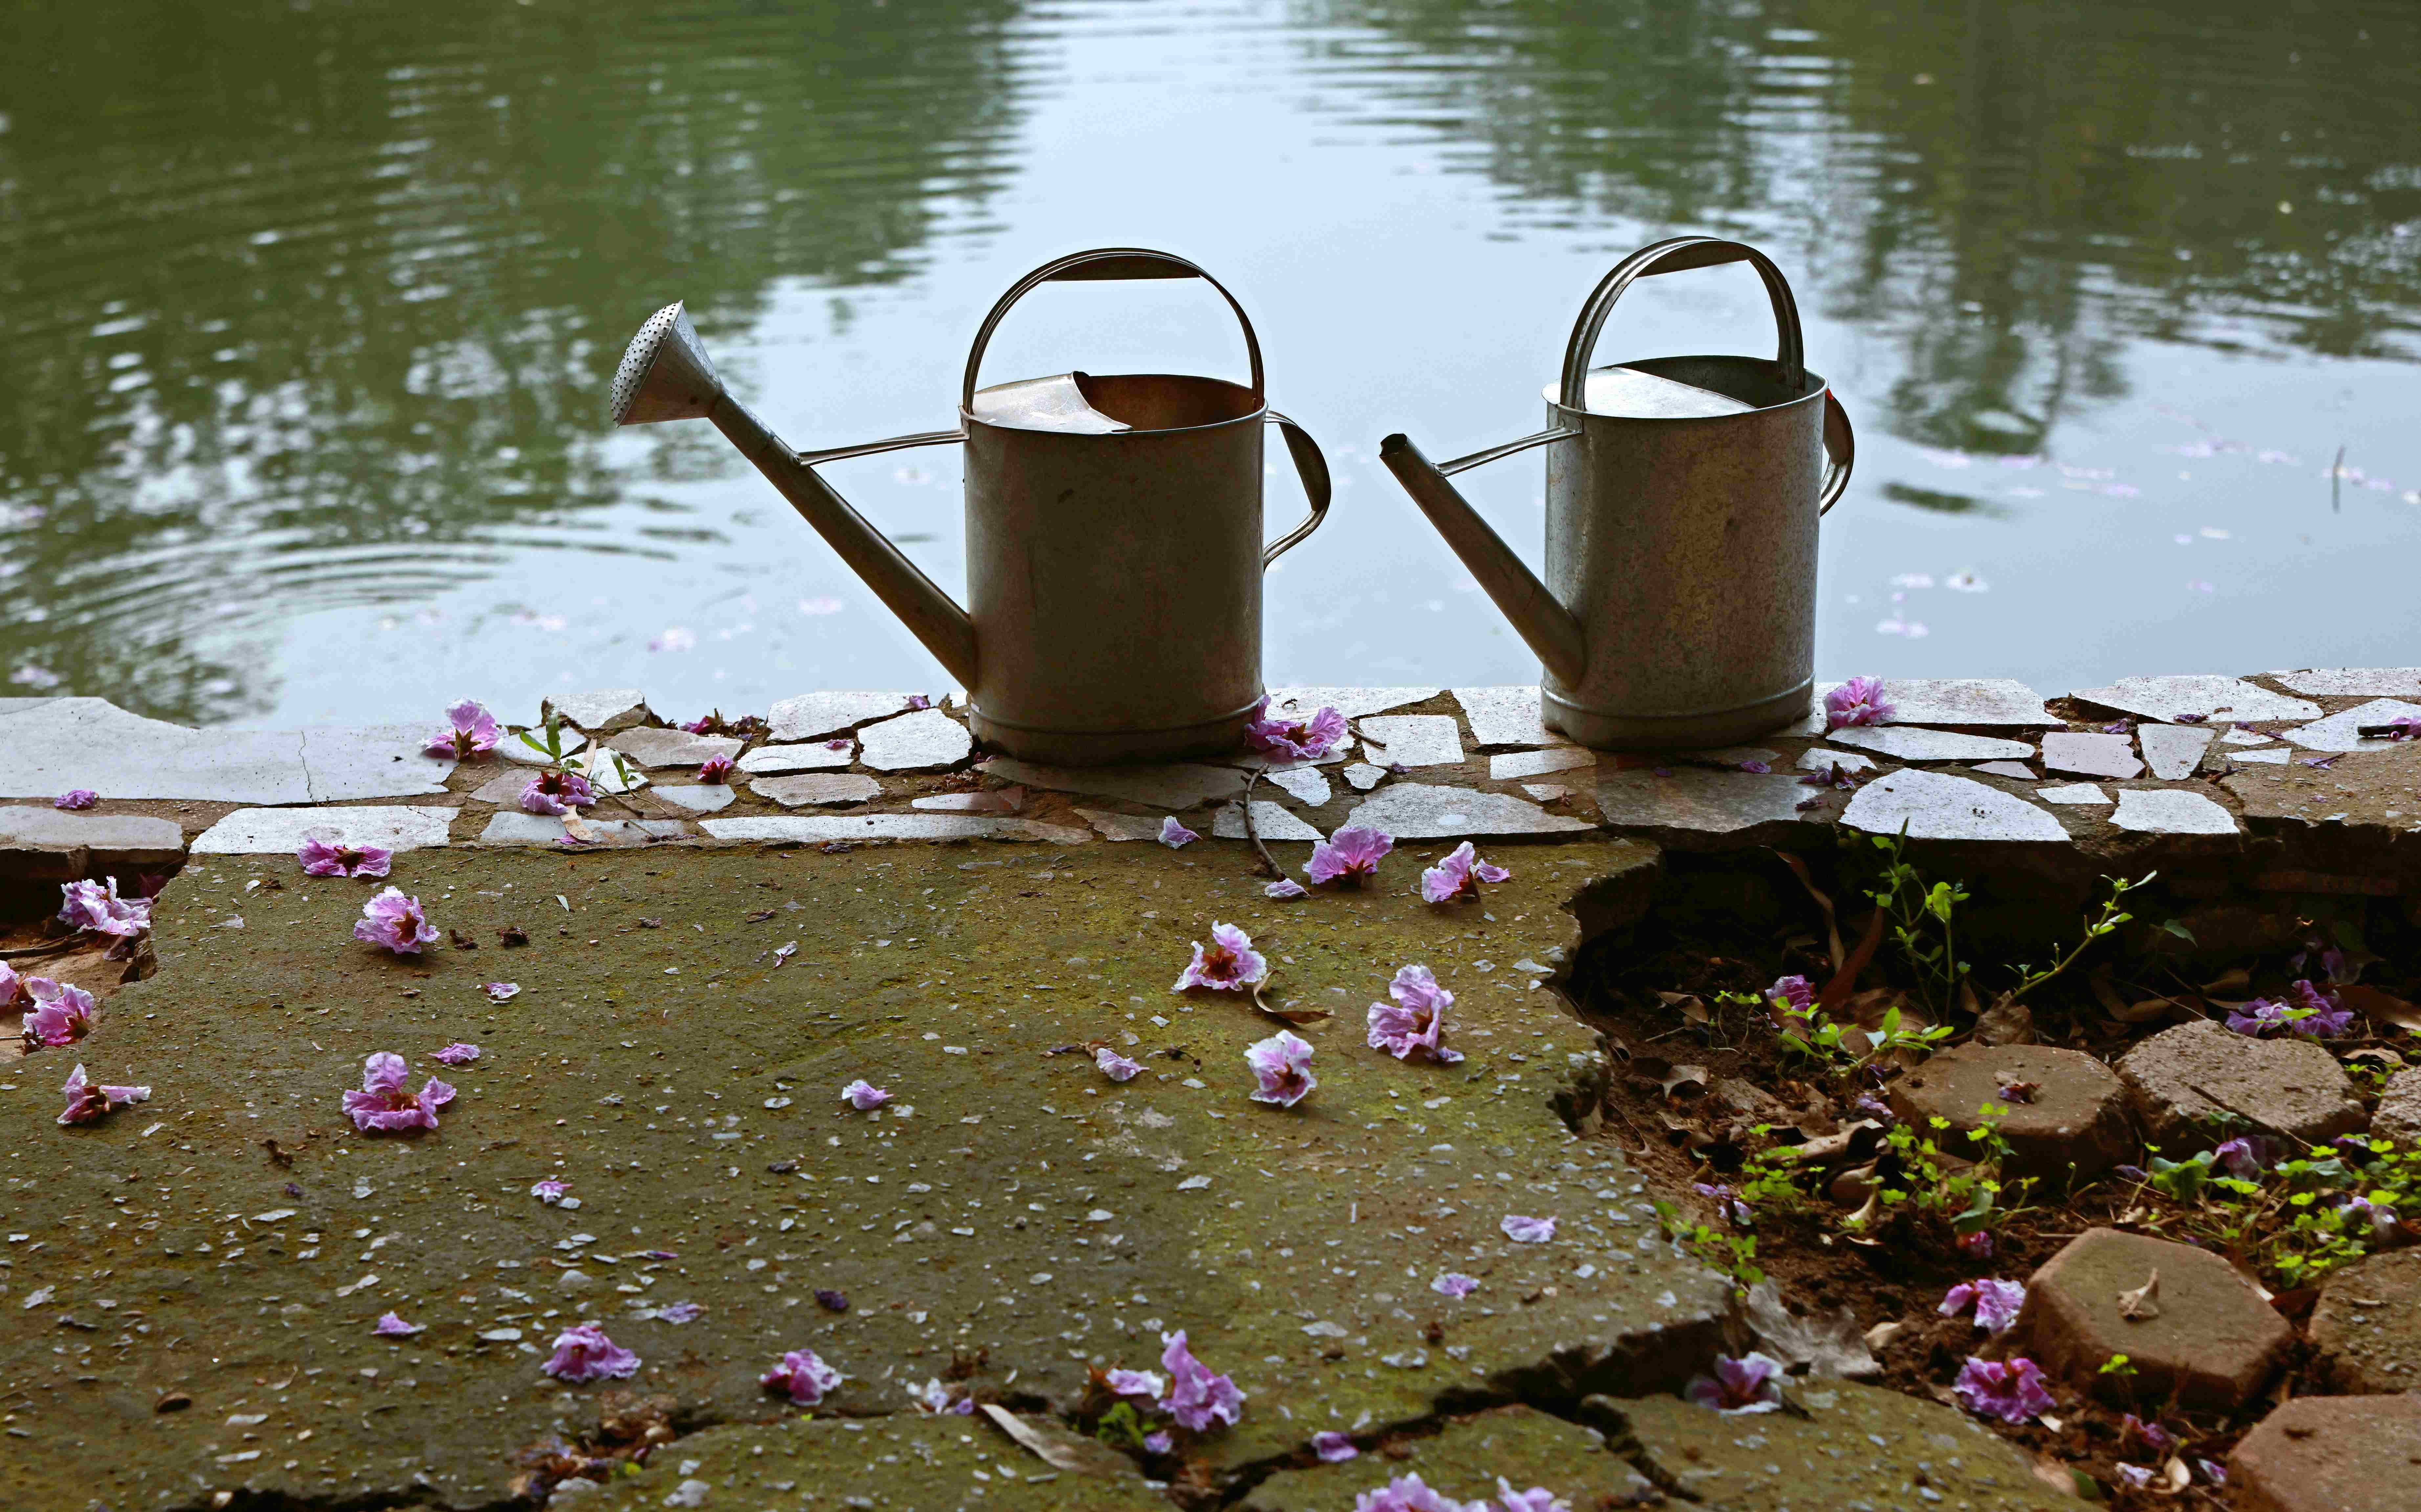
{"x":311,"y":308}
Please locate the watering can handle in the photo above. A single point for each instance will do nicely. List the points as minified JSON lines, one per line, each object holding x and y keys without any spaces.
{"x":1106,"y":263}
{"x":1671,"y":257}
{"x":1312,"y":468}
{"x":1841,"y":448}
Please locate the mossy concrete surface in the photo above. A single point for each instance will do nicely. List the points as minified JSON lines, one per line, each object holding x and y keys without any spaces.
{"x":1465,"y":1460}
{"x":190,"y":1311}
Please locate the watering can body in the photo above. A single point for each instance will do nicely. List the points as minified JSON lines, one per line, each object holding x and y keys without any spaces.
{"x":1114,"y":537}
{"x":1679,"y":605}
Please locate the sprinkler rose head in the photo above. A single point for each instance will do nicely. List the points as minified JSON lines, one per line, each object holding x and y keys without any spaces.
{"x":665,"y":373}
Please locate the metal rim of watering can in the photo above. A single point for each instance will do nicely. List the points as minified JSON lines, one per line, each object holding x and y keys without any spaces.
{"x":1106,"y":263}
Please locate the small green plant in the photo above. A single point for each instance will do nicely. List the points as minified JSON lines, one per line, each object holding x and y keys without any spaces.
{"x":1121,"y":1427}
{"x":1734,"y":1255}
{"x":1917,"y":912}
{"x":2119,"y":1365}
{"x":1929,"y":1189}
{"x":551,"y":747}
{"x":2111,"y":917}
{"x":1842,"y":1048}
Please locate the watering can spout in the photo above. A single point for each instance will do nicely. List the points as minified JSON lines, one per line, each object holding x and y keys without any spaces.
{"x":666,"y":375}
{"x":1546,"y":625}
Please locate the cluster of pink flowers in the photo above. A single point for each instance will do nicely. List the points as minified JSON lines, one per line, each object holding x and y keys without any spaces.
{"x":394,"y":922}
{"x":2311,"y":1012}
{"x":325,"y":858}
{"x":62,"y":1013}
{"x":1229,"y":964}
{"x":97,"y":906}
{"x":582,"y":1352}
{"x":471,"y":732}
{"x":1459,"y":876}
{"x":1752,"y":1383}
{"x":1858,"y":701}
{"x":1295,"y":740}
{"x":382,"y":1105}
{"x":75,"y":798}
{"x":802,"y":1376}
{"x":1996,"y":1303}
{"x":1194,"y":1395}
{"x":2012,"y":1390}
{"x":1415,"y":1021}
{"x":1349,"y":857}
{"x":88,"y":1100}
{"x":1282,"y":1068}
{"x":557,"y":791}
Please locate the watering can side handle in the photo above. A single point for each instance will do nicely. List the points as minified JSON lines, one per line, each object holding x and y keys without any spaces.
{"x":1105,"y":263}
{"x":1313,"y":469}
{"x":1676,"y":255}
{"x":1841,"y":449}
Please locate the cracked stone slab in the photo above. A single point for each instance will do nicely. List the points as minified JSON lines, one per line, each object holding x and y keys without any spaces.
{"x":47,"y":843}
{"x":2237,"y":737}
{"x":1421,"y":811}
{"x":1818,"y":759}
{"x":1523,"y":1446}
{"x":2014,"y":770}
{"x":2098,"y":755}
{"x":1935,"y":806}
{"x":1546,"y":792}
{"x":1696,"y":802}
{"x":2172,"y":751}
{"x":1274,"y":821}
{"x":2078,"y":792}
{"x":1513,"y":764}
{"x":2268,"y":756}
{"x":1175,"y":786}
{"x":1306,"y":785}
{"x":1506,"y":716}
{"x":371,"y":761}
{"x":925,"y":740}
{"x":272,"y":831}
{"x":2339,"y":732}
{"x":1906,"y":743}
{"x":825,"y":787}
{"x":699,"y":798}
{"x":2171,"y":811}
{"x":1121,"y":827}
{"x":1987,"y":701}
{"x":815,"y":755}
{"x":601,"y":710}
{"x":511,"y":827}
{"x":1362,"y":777}
{"x":1412,"y":741}
{"x":1857,"y":1447}
{"x":818,"y":716}
{"x":1353,"y":703}
{"x":2377,"y":788}
{"x":653,"y":747}
{"x":2189,"y":1080}
{"x":798,"y":829}
{"x":990,"y":800}
{"x":2352,"y":682}
{"x":63,"y":743}
{"x":2208,"y":696}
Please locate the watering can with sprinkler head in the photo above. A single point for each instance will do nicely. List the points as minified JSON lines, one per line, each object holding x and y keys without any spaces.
{"x":1113,"y":533}
{"x":1682,"y":495}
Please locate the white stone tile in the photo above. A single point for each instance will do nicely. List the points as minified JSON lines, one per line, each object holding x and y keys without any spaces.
{"x":699,"y":798}
{"x":2078,"y":792}
{"x":990,"y":800}
{"x":1300,"y":703}
{"x":259,"y":832}
{"x":2171,"y":811}
{"x":2215,"y":697}
{"x":2236,"y":737}
{"x":1176,"y":786}
{"x":1512,"y":764}
{"x":2172,"y":751}
{"x":373,"y":761}
{"x":604,"y":709}
{"x":2354,"y":683}
{"x":1419,"y":811}
{"x":1546,"y":792}
{"x":811,"y":755}
{"x":2269,"y":756}
{"x":829,"y":789}
{"x":512,"y":827}
{"x":1364,"y":776}
{"x":1123,"y":826}
{"x":505,"y":787}
{"x":2016,"y":771}
{"x":1412,"y":741}
{"x":1818,"y":759}
{"x":799,"y":829}
{"x":2336,"y":732}
{"x":1697,"y":800}
{"x":63,"y":743}
{"x":38,"y":841}
{"x":1908,"y":743}
{"x":654,"y":747}
{"x":1305,"y":785}
{"x":1990,"y":701}
{"x":1506,"y":716}
{"x":2095,"y":754}
{"x":1274,"y":821}
{"x":818,"y":716}
{"x":925,"y":740}
{"x":1935,"y":806}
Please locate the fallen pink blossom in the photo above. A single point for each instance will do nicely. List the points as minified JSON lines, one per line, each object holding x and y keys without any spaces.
{"x":1307,"y":739}
{"x":1752,"y":1383}
{"x":1284,"y":889}
{"x":472,"y":731}
{"x":63,"y":1012}
{"x":392,"y":921}
{"x":1197,"y":1398}
{"x":97,"y":906}
{"x":715,"y":769}
{"x":1523,"y":1230}
{"x":1537,"y":1498}
{"x":1408,"y":1493}
{"x":1282,"y":1068}
{"x":803,"y":1377}
{"x":390,"y":1326}
{"x":864,"y":1096}
{"x":1175,"y":836}
{"x":1995,"y":1303}
{"x":1334,"y":1448}
{"x":1231,"y":964}
{"x":1459,"y":876}
{"x":458,"y":1054}
{"x":1858,"y":701}
{"x":1114,"y":1065}
{"x":1415,"y":1021}
{"x":321,"y":858}
{"x":499,"y":992}
{"x":2012,"y":1390}
{"x":556,"y":792}
{"x":88,"y":1102}
{"x":1349,"y":857}
{"x":76,"y":798}
{"x":1149,"y":1383}
{"x":584,"y":1353}
{"x":1455,"y":1284}
{"x":382,"y":1105}
{"x":548,"y":1190}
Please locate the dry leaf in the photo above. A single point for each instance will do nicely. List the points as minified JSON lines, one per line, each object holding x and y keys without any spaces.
{"x":1294,"y":1016}
{"x":576,"y":827}
{"x":2142,"y":1303}
{"x":2006,"y":1022}
{"x":1827,"y":1345}
{"x":1831,"y":1146}
{"x":1058,"y":1448}
{"x":1831,"y":928}
{"x":2174,"y":1477}
{"x":2379,"y":1007}
{"x":1880,"y":1337}
{"x":1838,"y":990}
{"x":1684,"y":1076}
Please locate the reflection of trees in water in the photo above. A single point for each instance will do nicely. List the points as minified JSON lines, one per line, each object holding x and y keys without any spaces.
{"x":312,"y":305}
{"x":2011,"y":190}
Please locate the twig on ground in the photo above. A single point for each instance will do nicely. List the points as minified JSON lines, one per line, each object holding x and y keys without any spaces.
{"x":1269,"y":863}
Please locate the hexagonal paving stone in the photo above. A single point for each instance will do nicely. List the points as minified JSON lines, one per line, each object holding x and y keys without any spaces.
{"x":2213,"y":1343}
{"x":2069,"y":1110}
{"x":2399,"y":1114}
{"x":2184,"y":1081}
{"x":2331,"y":1453}
{"x":2367,"y":1326}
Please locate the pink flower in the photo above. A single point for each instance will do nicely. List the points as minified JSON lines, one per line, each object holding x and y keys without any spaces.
{"x":88,"y":1102}
{"x":1455,"y":1284}
{"x":1306,"y":740}
{"x":501,"y":992}
{"x":456,"y":1054}
{"x":1407,"y":1493}
{"x":584,"y":1353}
{"x":1751,"y":1383}
{"x":1858,"y":701}
{"x":1334,"y":1448}
{"x":1175,"y":836}
{"x":802,"y":1376}
{"x":2156,"y":1438}
{"x":1282,"y":1065}
{"x":1230,"y":965}
{"x":1459,"y":876}
{"x":1537,"y":1498}
{"x":1158,"y":1442}
{"x":322,"y":859}
{"x":13,"y":987}
{"x":1792,"y":996}
{"x":1149,"y":1383}
{"x":704,"y":724}
{"x":1114,"y":1065}
{"x":2012,"y":1390}
{"x":864,"y":1096}
{"x":679,"y":1312}
{"x":383,"y":1106}
{"x":390,"y":1326}
{"x":1523,"y":1230}
{"x":1197,"y":1398}
{"x":394,"y":922}
{"x":97,"y":906}
{"x":556,"y":792}
{"x":1996,"y":1303}
{"x":1415,"y":1021}
{"x":715,"y":769}
{"x":939,"y":1400}
{"x":1977,"y":1245}
{"x":916,"y":701}
{"x":473,"y":732}
{"x":548,"y":1190}
{"x":76,"y":798}
{"x":1351,"y":856}
{"x":1286,"y":889}
{"x":62,"y":1015}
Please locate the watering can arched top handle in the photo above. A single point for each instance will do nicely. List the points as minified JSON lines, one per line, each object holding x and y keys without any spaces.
{"x":1678,"y":255}
{"x":1119,"y":263}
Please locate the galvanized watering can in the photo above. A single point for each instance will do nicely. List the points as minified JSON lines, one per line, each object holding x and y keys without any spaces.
{"x":1113,"y":533}
{"x":1683,"y":496}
